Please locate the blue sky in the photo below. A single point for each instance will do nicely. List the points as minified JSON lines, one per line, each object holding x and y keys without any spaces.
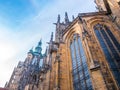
{"x":24,"y":22}
{"x":18,"y":10}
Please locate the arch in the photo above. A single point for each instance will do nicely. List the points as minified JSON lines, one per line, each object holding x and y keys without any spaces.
{"x":100,"y":19}
{"x":68,"y":36}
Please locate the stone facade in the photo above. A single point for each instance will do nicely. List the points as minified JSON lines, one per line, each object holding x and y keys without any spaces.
{"x":100,"y":69}
{"x":92,"y":42}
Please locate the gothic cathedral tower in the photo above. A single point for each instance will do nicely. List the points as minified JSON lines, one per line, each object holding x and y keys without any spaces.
{"x":86,"y":52}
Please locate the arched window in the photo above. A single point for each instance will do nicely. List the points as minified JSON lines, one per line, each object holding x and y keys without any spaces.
{"x":110,"y":47}
{"x":80,"y":73}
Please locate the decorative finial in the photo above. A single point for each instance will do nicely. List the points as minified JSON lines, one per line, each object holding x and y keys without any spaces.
{"x":66,"y":18}
{"x":31,"y":50}
{"x":58,"y":18}
{"x":40,"y":42}
{"x":46,"y":51}
{"x":38,"y":48}
{"x":51,"y":37}
{"x":73,"y":17}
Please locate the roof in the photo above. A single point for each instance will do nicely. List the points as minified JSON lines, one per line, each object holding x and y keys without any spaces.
{"x":89,"y":14}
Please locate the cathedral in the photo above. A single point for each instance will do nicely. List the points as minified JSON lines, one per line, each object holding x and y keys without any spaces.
{"x":85,"y":54}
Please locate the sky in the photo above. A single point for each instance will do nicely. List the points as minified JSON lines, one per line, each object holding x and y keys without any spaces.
{"x":24,"y":22}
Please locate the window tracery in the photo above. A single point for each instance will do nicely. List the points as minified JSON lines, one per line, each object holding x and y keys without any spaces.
{"x":80,"y":73}
{"x":110,"y":47}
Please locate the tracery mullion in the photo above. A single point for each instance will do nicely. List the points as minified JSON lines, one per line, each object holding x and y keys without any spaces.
{"x":107,"y":52}
{"x":83,"y":72}
{"x":105,"y":48}
{"x":116,"y":43}
{"x":74,"y":64}
{"x":116,"y":54}
{"x":104,"y":39}
{"x":75,"y":48}
{"x":110,"y":46}
{"x":112,"y":42}
{"x":73,"y":56}
{"x":106,"y":44}
{"x":81,"y":78}
{"x":115,"y":70}
{"x":81,"y":64}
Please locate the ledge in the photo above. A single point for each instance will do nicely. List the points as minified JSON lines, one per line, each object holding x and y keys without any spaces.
{"x":97,"y":67}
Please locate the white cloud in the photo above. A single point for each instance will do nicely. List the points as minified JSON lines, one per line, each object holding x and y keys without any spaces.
{"x":13,"y":47}
{"x":35,"y":3}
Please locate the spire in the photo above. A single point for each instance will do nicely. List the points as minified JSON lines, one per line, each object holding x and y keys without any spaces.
{"x":66,"y":18}
{"x":51,"y":37}
{"x":38,"y":48}
{"x":31,"y":50}
{"x":73,"y":17}
{"x":58,"y":21}
{"x":46,"y":51}
{"x":40,"y":42}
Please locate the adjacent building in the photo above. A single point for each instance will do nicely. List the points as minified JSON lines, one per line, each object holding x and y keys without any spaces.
{"x":26,"y":75}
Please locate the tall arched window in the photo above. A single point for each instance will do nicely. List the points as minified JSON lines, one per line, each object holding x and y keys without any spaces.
{"x":80,"y":73}
{"x":110,"y":47}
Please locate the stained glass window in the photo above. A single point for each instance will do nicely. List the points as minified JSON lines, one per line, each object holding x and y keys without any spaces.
{"x":110,"y":47}
{"x":80,"y":73}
